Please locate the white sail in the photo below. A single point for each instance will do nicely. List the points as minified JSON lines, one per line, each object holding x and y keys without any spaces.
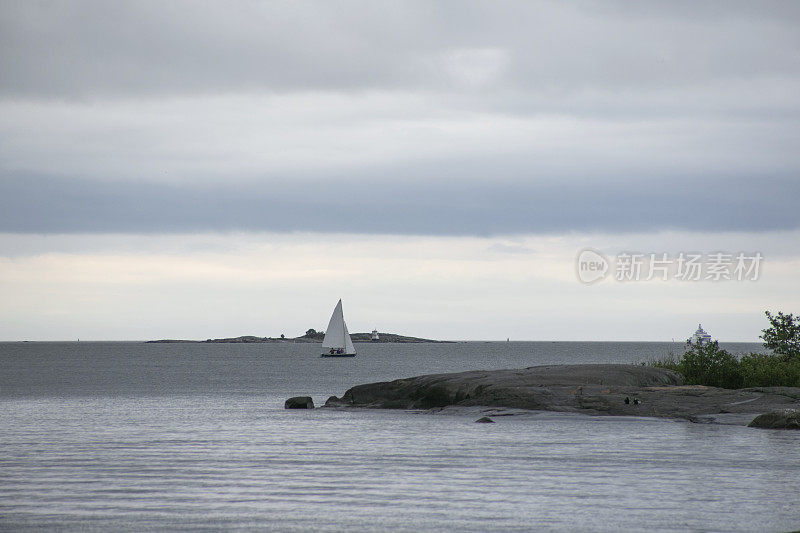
{"x":348,"y":342}
{"x":336,"y":336}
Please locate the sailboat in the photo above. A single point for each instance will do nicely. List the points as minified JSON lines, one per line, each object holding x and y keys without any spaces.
{"x":337,"y":342}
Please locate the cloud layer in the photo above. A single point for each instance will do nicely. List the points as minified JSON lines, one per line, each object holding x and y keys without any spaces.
{"x":398,"y":117}
{"x":87,"y":49}
{"x":435,"y":207}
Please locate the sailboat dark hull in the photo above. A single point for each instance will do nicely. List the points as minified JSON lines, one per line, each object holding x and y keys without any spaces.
{"x":338,"y":355}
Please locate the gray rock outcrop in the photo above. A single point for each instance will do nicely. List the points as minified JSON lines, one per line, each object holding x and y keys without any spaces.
{"x":591,"y":389}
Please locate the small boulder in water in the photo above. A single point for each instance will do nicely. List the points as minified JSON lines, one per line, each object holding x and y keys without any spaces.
{"x":299,"y":402}
{"x":484,"y":420}
{"x":785,"y":419}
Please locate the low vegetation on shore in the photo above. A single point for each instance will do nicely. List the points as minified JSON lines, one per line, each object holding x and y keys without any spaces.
{"x":708,"y":364}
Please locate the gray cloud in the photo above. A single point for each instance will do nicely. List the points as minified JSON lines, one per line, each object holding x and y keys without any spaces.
{"x":89,"y":49}
{"x":47,"y":205}
{"x":398,"y":117}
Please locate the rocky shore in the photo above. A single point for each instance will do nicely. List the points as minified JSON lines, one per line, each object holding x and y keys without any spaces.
{"x":590,"y":389}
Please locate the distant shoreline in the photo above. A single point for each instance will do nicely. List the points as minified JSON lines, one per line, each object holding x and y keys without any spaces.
{"x":314,"y":338}
{"x":757,"y":344}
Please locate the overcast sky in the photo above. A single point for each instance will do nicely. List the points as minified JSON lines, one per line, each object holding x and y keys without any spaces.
{"x":441,"y":133}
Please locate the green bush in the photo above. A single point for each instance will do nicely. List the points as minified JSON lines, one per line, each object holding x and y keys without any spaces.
{"x":708,"y":364}
{"x":762,"y":370}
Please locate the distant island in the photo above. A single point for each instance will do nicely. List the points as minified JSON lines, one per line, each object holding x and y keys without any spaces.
{"x":311,"y":336}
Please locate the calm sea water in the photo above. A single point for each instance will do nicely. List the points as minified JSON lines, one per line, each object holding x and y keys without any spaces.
{"x":153,"y":437}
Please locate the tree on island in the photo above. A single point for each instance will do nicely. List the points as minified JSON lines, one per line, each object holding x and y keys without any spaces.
{"x":783,"y":335}
{"x":314,"y":334}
